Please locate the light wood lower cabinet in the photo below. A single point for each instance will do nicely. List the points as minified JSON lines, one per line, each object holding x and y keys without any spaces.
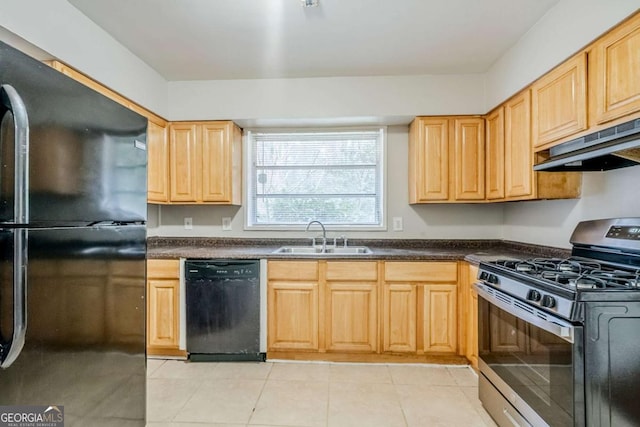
{"x":400,"y":319}
{"x":293,"y":315}
{"x":440,"y":321}
{"x":468,"y":314}
{"x":292,"y":305}
{"x":351,"y":314}
{"x":163,"y":307}
{"x":420,"y":307}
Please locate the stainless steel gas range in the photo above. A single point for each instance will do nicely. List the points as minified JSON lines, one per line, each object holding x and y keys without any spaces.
{"x":559,"y":339}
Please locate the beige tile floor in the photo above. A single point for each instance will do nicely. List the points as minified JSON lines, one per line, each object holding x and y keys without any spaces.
{"x":183,"y":394}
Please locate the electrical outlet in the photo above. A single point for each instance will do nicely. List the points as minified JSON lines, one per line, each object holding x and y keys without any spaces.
{"x":397,"y":223}
{"x":226,"y":223}
{"x":188,"y":223}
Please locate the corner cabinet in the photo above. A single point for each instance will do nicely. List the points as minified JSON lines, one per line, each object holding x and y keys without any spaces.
{"x":518,"y":160}
{"x":446,"y":159}
{"x":468,"y":318}
{"x":614,"y":72}
{"x":510,"y":158}
{"x":157,"y":163}
{"x":163,"y":307}
{"x":495,"y":154}
{"x":205,"y":163}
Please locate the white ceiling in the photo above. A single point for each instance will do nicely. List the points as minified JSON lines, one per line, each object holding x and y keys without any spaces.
{"x":249,"y":39}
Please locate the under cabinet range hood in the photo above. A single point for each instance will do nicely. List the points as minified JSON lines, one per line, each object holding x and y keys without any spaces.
{"x":611,"y":148}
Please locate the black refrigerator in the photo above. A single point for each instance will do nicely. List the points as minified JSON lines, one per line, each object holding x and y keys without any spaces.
{"x":73,"y":169}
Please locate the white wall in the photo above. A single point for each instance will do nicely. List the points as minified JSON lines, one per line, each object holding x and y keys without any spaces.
{"x":562,"y":31}
{"x":58,"y":28}
{"x":604,"y":195}
{"x":465,"y":221}
{"x":566,"y":28}
{"x":331,"y":97}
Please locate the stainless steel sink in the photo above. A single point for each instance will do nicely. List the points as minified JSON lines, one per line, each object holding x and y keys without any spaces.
{"x":317,"y":250}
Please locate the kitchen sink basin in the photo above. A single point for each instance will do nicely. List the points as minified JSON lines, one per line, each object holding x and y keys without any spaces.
{"x":317,"y":250}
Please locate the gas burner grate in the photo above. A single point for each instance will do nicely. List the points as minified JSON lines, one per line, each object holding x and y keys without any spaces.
{"x":574,"y":273}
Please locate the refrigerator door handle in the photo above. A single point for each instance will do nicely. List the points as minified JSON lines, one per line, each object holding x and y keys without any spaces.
{"x":14,"y":349}
{"x":12,"y":101}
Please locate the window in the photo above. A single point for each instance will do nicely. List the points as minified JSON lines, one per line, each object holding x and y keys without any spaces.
{"x":331,"y":176}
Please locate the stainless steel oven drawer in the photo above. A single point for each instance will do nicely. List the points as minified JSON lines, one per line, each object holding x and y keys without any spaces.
{"x":502,"y":412}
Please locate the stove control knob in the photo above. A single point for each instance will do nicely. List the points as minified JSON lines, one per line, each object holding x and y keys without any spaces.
{"x":483,"y":275}
{"x":534,"y":295}
{"x":548,"y":301}
{"x":492,"y":278}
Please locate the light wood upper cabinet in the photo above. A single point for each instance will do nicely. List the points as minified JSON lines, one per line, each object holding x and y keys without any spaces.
{"x":163,"y":307}
{"x":446,"y":159}
{"x":469,"y":158}
{"x":495,"y":154}
{"x":559,"y":102}
{"x":614,"y":72}
{"x":429,"y":160}
{"x":205,"y":159}
{"x":513,"y":177}
{"x":518,"y":163}
{"x":157,"y":164}
{"x":186,"y":164}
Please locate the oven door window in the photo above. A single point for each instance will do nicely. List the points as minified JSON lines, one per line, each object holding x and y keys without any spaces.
{"x":535,"y":364}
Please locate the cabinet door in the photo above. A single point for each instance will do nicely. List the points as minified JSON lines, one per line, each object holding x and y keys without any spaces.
{"x":468,"y":158}
{"x":495,"y":154}
{"x":163,"y":312}
{"x":559,"y":102}
{"x":158,"y":164}
{"x":518,"y":151}
{"x":185,"y":163}
{"x":216,"y":158}
{"x":615,"y":65}
{"x":292,"y":312}
{"x":399,"y":311}
{"x":440,"y":318}
{"x":351,"y":317}
{"x":429,"y":160}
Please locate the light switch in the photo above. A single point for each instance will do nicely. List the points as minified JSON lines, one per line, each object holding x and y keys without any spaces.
{"x":397,"y":223}
{"x":188,"y":223}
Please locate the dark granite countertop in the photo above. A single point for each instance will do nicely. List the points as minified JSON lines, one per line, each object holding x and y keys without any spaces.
{"x":473,"y":251}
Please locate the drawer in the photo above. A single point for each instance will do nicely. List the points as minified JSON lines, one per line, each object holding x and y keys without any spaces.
{"x":292,"y":270}
{"x":163,"y":268}
{"x":352,"y":270}
{"x":421,"y":271}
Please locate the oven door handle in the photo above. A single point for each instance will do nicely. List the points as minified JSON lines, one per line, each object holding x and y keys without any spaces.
{"x":551,"y":324}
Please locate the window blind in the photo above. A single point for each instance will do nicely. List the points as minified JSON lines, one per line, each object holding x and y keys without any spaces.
{"x":334,"y":177}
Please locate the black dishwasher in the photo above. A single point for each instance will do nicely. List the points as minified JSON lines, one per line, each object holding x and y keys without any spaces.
{"x":223,"y":310}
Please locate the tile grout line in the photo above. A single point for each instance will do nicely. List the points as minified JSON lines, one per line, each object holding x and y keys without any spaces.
{"x":264,"y":385}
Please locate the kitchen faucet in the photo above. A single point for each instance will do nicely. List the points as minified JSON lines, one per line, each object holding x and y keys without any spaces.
{"x":324,"y":234}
